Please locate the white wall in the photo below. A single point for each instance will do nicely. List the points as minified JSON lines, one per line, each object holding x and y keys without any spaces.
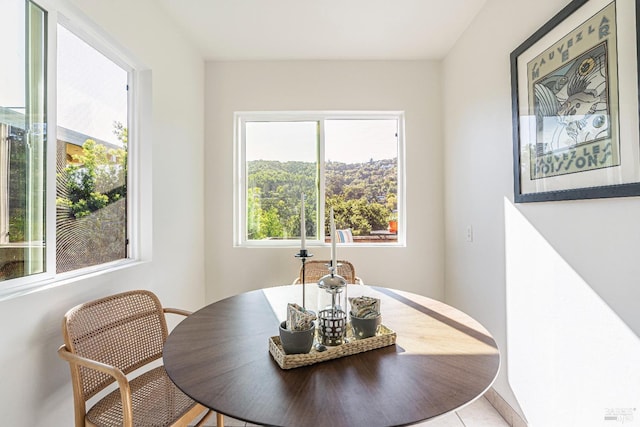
{"x":556,"y":283}
{"x":35,"y":388}
{"x":413,"y":87}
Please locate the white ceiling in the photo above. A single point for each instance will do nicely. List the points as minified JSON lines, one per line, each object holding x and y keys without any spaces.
{"x":323,"y":29}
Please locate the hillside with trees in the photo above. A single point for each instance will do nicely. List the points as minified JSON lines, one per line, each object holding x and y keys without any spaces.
{"x":363,"y":196}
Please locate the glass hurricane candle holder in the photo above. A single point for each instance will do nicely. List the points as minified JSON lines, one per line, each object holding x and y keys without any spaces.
{"x":332,"y":313}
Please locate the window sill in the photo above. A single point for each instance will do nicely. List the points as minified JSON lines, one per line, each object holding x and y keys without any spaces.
{"x":26,"y":288}
{"x":374,"y":242}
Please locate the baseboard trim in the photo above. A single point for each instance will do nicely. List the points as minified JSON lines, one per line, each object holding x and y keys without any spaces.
{"x":504,"y":409}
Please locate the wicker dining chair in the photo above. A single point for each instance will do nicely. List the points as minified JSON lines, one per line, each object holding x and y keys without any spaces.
{"x":106,"y":340}
{"x":314,"y":270}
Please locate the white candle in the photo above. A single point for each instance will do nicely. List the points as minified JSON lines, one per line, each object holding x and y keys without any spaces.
{"x":303,"y":231}
{"x":332,"y":225}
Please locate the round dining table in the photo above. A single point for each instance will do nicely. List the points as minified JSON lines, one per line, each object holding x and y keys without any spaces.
{"x":442,"y":360}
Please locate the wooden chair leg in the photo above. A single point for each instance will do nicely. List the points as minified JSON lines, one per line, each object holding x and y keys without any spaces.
{"x":219,"y":420}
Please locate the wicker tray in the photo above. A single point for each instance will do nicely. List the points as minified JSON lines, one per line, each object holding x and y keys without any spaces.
{"x":383,"y":338}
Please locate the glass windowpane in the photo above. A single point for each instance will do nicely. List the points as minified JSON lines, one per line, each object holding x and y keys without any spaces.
{"x":281,"y":165}
{"x":91,"y":195}
{"x":22,"y":140}
{"x":361,"y":177}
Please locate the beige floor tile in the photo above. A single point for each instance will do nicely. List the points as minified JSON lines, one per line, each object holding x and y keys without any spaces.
{"x":481,"y":414}
{"x":450,"y":420}
{"x":232,"y":422}
{"x":228,"y":422}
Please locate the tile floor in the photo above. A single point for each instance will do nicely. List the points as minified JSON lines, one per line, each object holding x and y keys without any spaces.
{"x":479,"y":414}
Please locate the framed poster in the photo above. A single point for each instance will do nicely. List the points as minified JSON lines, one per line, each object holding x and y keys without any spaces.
{"x":574,"y":86}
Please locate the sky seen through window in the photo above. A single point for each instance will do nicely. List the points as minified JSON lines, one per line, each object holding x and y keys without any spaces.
{"x":347,"y":141}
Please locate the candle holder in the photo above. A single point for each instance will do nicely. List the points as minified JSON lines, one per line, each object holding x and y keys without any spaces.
{"x":332,"y":317}
{"x":303,"y":255}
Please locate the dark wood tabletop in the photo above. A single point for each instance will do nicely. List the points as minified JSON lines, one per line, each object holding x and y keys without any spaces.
{"x":442,"y":360}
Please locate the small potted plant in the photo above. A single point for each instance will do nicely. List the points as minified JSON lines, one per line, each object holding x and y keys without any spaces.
{"x":393,"y":222}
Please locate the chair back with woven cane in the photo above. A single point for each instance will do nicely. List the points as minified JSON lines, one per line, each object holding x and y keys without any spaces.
{"x":314,"y":270}
{"x":109,"y":338}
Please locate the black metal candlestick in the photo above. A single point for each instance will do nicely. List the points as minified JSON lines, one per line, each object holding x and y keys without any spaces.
{"x":303,"y":255}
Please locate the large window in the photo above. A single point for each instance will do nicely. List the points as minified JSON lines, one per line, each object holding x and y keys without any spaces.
{"x":63,"y":183}
{"x":348,"y":162}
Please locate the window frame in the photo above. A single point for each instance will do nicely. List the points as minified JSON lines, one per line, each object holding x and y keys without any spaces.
{"x":240,"y":172}
{"x":138,"y":111}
